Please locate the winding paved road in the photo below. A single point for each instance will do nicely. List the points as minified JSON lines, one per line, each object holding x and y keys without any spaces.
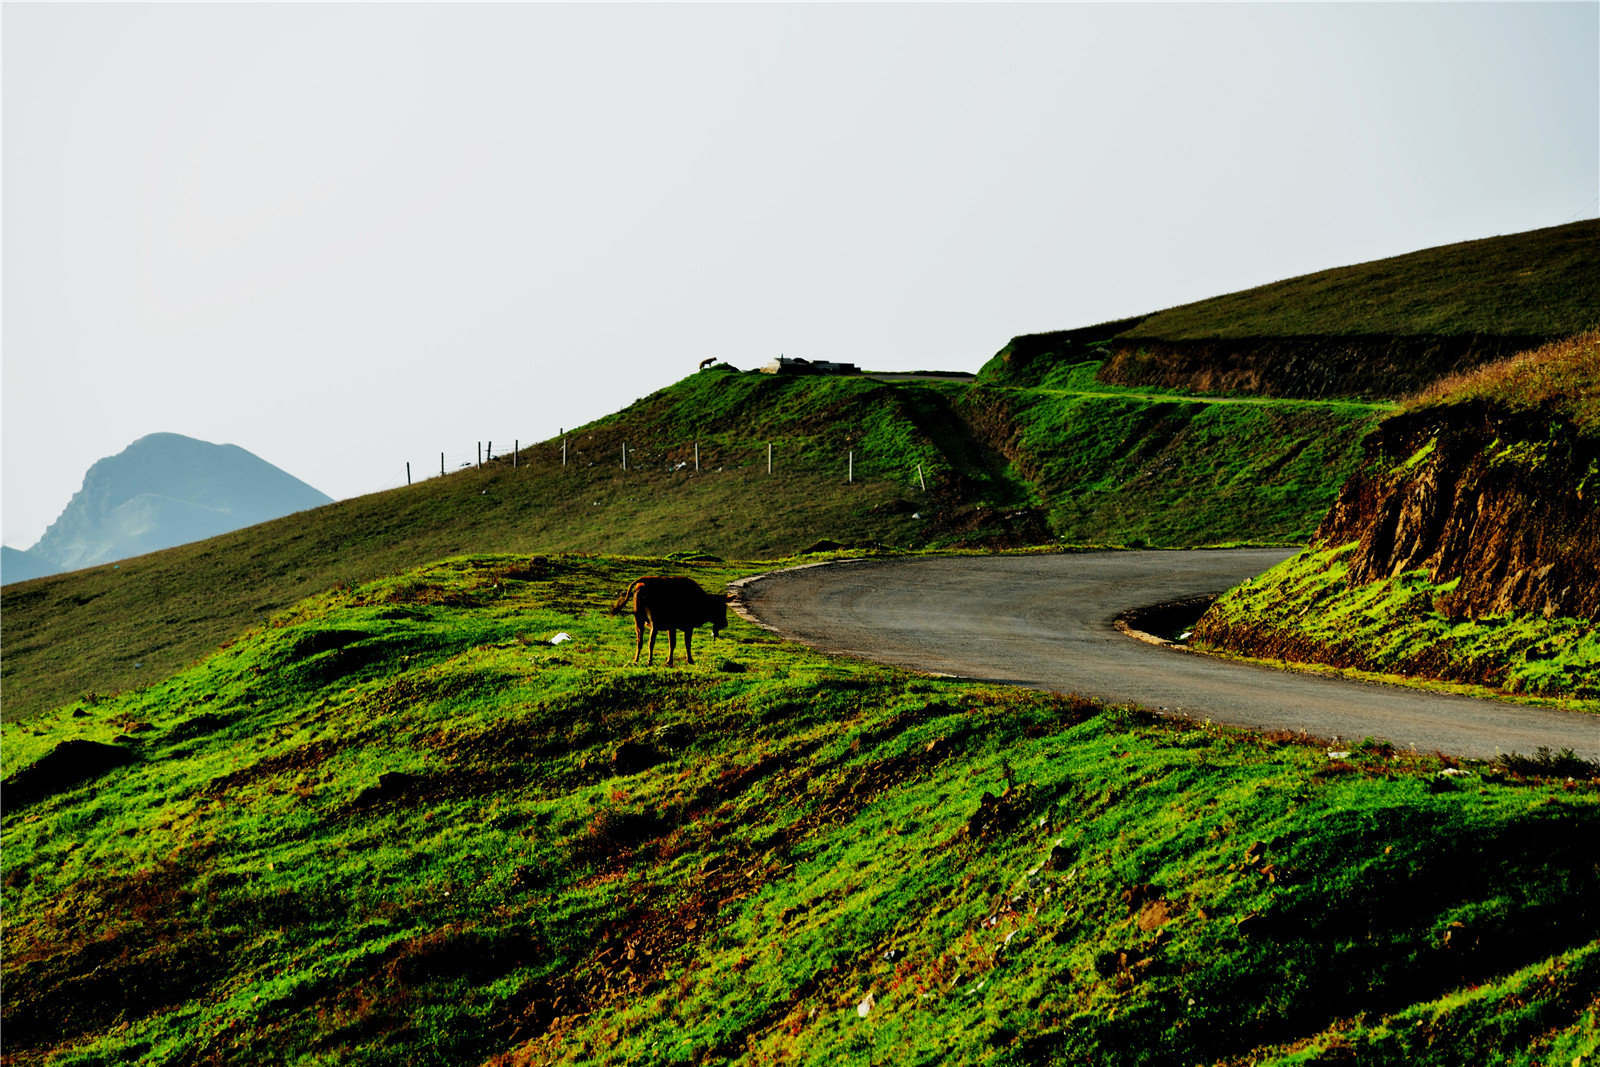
{"x":1047,"y":622}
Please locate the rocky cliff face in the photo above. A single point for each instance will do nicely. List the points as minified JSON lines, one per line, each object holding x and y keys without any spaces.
{"x":1502,"y":502}
{"x":166,"y":489}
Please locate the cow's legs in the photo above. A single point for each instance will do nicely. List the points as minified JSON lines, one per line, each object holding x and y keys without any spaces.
{"x":688,"y":653}
{"x":638,"y":637}
{"x":652,"y":660}
{"x":672,"y":644}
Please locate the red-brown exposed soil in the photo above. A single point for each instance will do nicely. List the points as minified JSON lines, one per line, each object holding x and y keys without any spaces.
{"x":1310,"y":368}
{"x":1506,"y":502}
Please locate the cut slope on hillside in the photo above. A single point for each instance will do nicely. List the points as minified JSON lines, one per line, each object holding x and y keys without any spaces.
{"x":394,"y":826}
{"x":1001,"y":468}
{"x":1466,"y":546}
{"x":1385,"y":329}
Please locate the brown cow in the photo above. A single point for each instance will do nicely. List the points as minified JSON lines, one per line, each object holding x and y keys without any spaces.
{"x":671,"y":604}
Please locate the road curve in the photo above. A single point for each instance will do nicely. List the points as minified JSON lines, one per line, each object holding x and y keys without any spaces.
{"x":1047,"y":622}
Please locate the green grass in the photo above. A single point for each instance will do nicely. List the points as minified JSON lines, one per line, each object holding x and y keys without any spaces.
{"x":1307,"y":610}
{"x":1001,"y":467}
{"x":1559,"y":381}
{"x":1541,"y":283}
{"x":1012,"y":877}
{"x":1116,"y":465}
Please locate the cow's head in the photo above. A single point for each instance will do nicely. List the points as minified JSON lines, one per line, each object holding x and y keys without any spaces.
{"x":719,"y":613}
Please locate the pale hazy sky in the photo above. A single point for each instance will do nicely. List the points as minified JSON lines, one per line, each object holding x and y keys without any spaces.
{"x":344,"y":237}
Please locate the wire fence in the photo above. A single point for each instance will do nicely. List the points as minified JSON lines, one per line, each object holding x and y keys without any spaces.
{"x":775,"y":458}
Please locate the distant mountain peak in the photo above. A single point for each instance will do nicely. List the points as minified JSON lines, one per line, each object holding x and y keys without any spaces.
{"x":166,"y":489}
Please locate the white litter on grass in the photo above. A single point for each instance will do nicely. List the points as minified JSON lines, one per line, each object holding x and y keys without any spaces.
{"x":1337,"y":755}
{"x":1453,"y":772}
{"x":865,"y":1007}
{"x":1185,"y":635}
{"x":558,"y":638}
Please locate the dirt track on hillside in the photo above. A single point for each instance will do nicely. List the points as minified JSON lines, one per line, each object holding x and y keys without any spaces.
{"x":1047,"y":622}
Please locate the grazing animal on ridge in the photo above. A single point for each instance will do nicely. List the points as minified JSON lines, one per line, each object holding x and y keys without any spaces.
{"x":671,"y":604}
{"x":704,"y":363}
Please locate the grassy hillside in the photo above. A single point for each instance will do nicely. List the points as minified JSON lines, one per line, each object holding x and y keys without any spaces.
{"x":1534,"y":284}
{"x":393,"y":825}
{"x":1134,"y":467}
{"x":1308,"y":610}
{"x":1001,"y":467}
{"x":1384,"y":329}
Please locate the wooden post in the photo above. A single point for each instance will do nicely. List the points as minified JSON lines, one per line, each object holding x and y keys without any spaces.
{"x":919,"y":478}
{"x":851,"y":477}
{"x":441,"y":464}
{"x":563,"y":451}
{"x":491,"y":451}
{"x":769,"y":457}
{"x":408,"y":472}
{"x":624,"y":455}
{"x":480,"y":455}
{"x":516,"y":446}
{"x":697,"y":455}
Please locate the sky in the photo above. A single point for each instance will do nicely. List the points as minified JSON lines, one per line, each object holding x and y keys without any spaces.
{"x":349,"y":237}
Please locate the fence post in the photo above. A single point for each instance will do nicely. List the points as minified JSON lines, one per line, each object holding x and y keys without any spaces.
{"x":624,"y":455}
{"x":491,"y":451}
{"x":563,"y":451}
{"x":516,"y":446}
{"x":769,"y":457}
{"x":851,"y":476}
{"x":408,"y":472}
{"x":480,"y":455}
{"x":919,"y":478}
{"x":441,"y":464}
{"x":697,"y":455}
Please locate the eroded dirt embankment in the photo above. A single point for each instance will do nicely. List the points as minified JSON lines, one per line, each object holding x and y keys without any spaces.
{"x":1504,"y":501}
{"x":1495,"y":508}
{"x":1305,"y":368}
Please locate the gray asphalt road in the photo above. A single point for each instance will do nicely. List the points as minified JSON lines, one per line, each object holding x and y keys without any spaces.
{"x":1047,"y":622}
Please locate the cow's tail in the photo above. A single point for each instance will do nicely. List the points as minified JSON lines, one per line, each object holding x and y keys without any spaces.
{"x":622,"y":601}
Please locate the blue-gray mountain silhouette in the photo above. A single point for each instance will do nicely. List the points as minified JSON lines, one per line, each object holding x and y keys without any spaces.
{"x":18,"y":565}
{"x":166,"y":489}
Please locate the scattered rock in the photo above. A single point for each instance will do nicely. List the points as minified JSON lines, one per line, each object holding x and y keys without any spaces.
{"x":824,"y":545}
{"x":1154,"y":914}
{"x":1137,"y":896}
{"x":391,"y":786}
{"x":632,"y":757}
{"x":995,"y":814}
{"x":196,"y":726}
{"x":68,"y":764}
